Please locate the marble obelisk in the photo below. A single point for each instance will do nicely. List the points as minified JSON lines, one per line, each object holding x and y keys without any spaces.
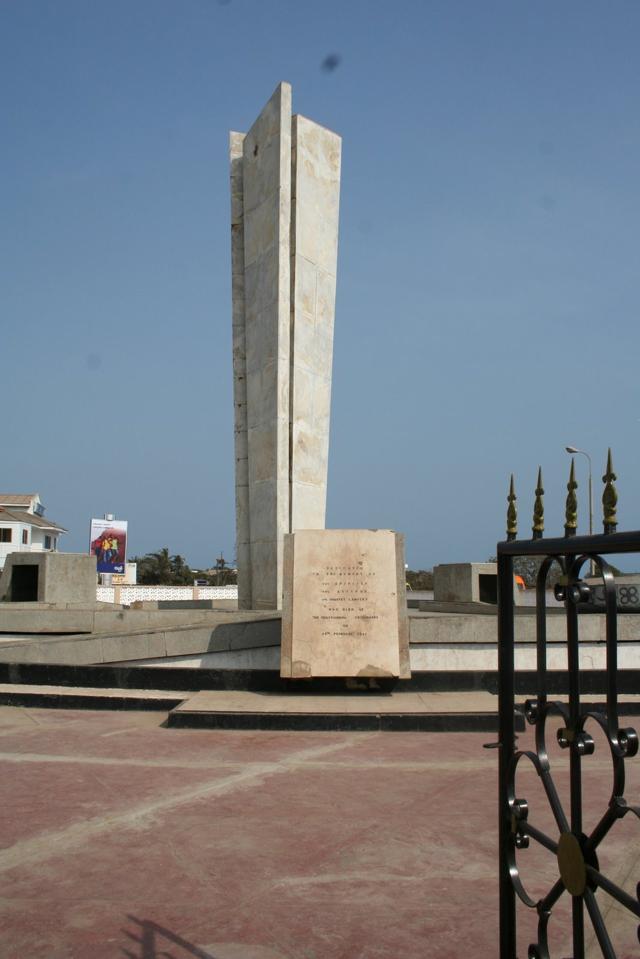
{"x":285,"y":187}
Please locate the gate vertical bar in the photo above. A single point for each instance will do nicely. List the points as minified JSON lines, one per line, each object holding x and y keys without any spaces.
{"x":575,"y":772}
{"x":506,"y":750}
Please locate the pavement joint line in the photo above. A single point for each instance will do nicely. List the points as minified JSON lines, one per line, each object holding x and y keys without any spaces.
{"x":27,"y":713}
{"x":51,"y":843}
{"x":365,"y":877}
{"x":211,"y":764}
{"x":62,"y":759}
{"x":119,"y":732}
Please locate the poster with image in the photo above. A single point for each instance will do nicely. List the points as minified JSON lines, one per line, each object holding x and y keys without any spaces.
{"x":108,"y":543}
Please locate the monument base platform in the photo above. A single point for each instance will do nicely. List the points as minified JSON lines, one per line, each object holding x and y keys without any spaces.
{"x":394,"y":711}
{"x":242,"y":709}
{"x":440,"y":640}
{"x":261,"y":699}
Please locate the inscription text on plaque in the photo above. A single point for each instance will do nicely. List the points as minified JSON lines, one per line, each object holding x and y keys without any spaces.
{"x":344,"y":609}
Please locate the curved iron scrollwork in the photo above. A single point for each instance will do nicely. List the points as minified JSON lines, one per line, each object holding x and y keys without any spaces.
{"x":576,"y":850}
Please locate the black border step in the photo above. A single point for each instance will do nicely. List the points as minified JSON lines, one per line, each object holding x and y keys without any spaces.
{"x":195,"y":679}
{"x":343,"y":722}
{"x":56,"y":700}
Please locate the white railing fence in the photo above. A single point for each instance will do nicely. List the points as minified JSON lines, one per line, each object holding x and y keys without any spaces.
{"x":126,"y":595}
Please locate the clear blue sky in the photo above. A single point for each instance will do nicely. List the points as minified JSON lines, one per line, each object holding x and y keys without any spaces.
{"x":488,"y":281}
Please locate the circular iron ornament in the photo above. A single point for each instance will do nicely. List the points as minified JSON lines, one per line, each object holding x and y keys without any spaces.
{"x":579,"y":872}
{"x":628,"y":595}
{"x":571,"y":864}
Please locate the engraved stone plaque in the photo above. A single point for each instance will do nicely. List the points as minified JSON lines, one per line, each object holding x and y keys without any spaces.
{"x":344,"y":610}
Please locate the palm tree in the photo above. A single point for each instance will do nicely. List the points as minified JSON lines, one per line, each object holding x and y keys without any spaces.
{"x":181,"y":572}
{"x":155,"y":569}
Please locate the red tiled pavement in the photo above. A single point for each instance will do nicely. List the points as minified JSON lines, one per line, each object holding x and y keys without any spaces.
{"x":121,"y":838}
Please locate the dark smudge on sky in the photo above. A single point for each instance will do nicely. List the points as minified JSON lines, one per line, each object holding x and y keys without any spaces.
{"x":331,"y":62}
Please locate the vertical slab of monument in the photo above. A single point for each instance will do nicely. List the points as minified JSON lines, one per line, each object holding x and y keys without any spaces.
{"x":285,"y":179}
{"x":316,"y":191}
{"x":243,"y":539}
{"x":344,"y":612}
{"x":266,"y":199}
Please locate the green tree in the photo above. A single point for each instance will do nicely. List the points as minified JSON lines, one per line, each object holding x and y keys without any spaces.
{"x":225,"y":575}
{"x":217,"y":577}
{"x":528,"y":566}
{"x":419,"y":579}
{"x":181,"y":571}
{"x":162,"y":569}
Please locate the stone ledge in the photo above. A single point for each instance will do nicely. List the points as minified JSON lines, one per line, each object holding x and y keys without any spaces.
{"x":79,"y":697}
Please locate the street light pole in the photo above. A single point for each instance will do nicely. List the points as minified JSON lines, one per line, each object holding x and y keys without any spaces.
{"x":574,"y":449}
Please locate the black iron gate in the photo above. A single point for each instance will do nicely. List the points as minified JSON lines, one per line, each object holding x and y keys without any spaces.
{"x":579,"y":874}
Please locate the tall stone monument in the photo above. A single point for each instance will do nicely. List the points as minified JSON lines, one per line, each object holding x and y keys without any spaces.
{"x":285,"y":185}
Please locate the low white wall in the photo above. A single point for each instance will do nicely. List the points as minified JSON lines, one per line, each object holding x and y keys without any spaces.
{"x":424,"y":658}
{"x":480,"y":656}
{"x":136,"y":594}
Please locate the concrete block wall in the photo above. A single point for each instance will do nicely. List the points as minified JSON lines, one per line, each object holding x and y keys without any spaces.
{"x":58,"y":578}
{"x":461,"y":582}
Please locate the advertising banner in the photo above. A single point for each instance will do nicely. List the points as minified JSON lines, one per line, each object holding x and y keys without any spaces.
{"x":109,"y":544}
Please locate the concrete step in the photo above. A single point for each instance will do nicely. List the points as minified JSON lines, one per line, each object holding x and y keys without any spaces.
{"x":88,"y":697}
{"x":311,"y":709}
{"x":406,"y":711}
{"x":242,"y":709}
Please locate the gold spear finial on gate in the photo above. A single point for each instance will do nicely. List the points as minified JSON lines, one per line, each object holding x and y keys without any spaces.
{"x":538,"y":509}
{"x":571,"y":507}
{"x":609,"y":497}
{"x":512,"y":513}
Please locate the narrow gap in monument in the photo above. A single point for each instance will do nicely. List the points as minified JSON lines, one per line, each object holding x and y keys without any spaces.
{"x":24,"y":584}
{"x":243,"y":495}
{"x":292,"y":315}
{"x":488,"y":586}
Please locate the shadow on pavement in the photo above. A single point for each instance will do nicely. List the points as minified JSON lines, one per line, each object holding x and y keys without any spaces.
{"x":155,"y":942}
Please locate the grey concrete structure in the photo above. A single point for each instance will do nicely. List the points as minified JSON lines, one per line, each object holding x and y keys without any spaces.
{"x":285,"y":182}
{"x":33,"y":618}
{"x":438,"y":641}
{"x":57,"y":578}
{"x":222,"y":632}
{"x":465,"y":583}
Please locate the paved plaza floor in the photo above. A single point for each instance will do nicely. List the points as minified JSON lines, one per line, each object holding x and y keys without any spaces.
{"x":122,"y":838}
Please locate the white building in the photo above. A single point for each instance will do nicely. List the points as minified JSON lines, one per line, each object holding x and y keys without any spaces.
{"x":23,"y":527}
